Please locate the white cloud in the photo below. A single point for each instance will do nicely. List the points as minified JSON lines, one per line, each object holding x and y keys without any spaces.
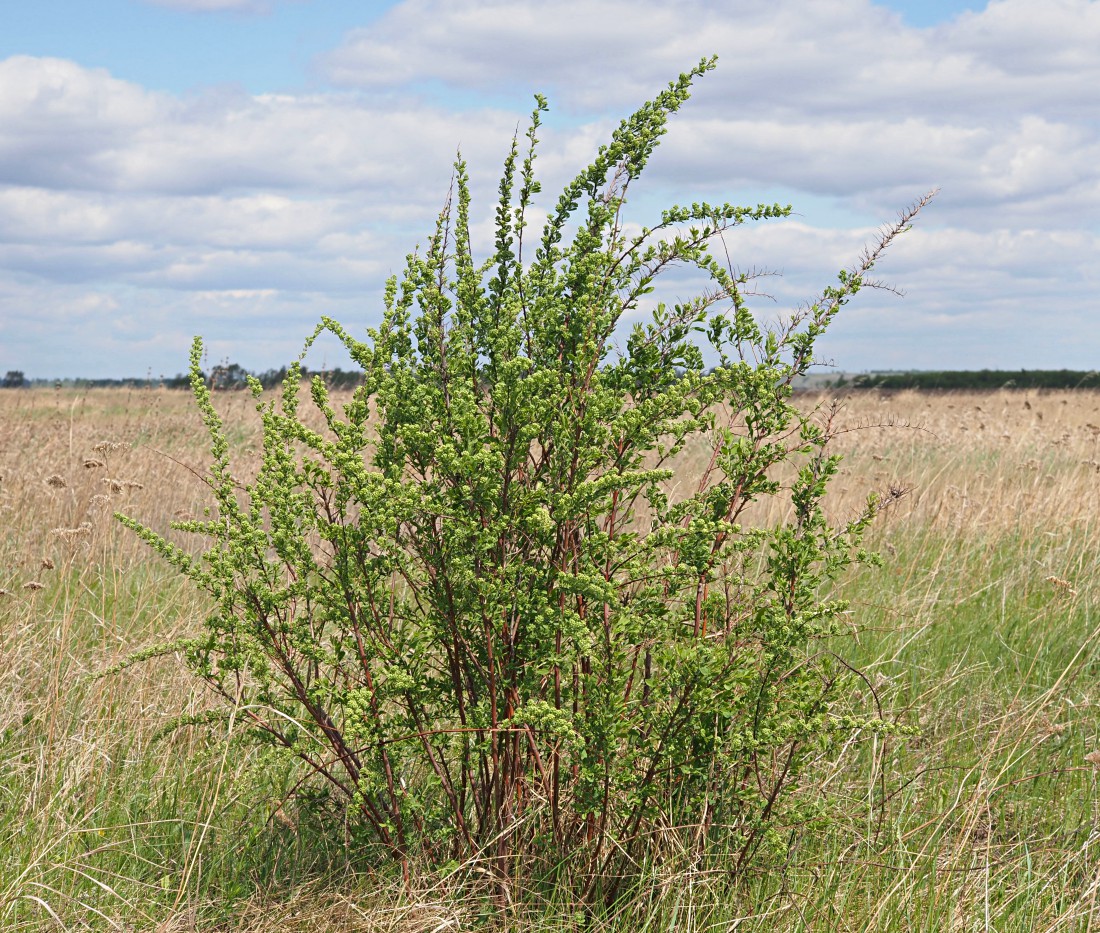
{"x":778,"y":57}
{"x":67,"y":127}
{"x":130,"y":220}
{"x":57,"y":120}
{"x":837,"y":98}
{"x":263,"y":220}
{"x":1000,"y":298}
{"x":1033,"y":171}
{"x":125,"y":212}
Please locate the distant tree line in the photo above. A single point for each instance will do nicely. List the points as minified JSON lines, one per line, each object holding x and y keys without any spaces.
{"x":975,"y":380}
{"x":233,"y":376}
{"x":223,"y":376}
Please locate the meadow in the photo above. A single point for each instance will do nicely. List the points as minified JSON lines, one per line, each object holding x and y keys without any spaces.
{"x":979,"y":630}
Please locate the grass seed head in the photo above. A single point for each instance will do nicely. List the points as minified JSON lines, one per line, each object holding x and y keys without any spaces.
{"x":73,"y":534}
{"x":122,"y":485}
{"x":1063,"y":587}
{"x":106,"y":447}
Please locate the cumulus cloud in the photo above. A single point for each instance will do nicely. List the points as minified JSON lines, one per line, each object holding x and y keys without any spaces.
{"x":1001,"y":298}
{"x":778,"y":57}
{"x":58,"y":120}
{"x":838,"y":98}
{"x":263,"y":220}
{"x":67,"y":127}
{"x":1034,"y":171}
{"x":125,"y":211}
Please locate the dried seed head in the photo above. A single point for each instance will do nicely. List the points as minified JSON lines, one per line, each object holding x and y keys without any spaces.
{"x":57,"y":481}
{"x":33,"y":585}
{"x":1048,"y":729}
{"x":47,"y":563}
{"x":73,"y":534}
{"x":1093,"y":758}
{"x":100,"y":501}
{"x":106,"y":447}
{"x":118,"y":485}
{"x":4,"y":592}
{"x":1064,"y":587}
{"x":92,"y":464}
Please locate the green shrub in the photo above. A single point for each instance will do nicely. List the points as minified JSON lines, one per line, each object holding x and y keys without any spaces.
{"x":476,"y":605}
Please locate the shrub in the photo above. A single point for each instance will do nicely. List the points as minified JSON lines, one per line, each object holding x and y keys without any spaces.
{"x":476,"y":605}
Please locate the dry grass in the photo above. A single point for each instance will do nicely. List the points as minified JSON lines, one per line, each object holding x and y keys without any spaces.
{"x":993,"y":462}
{"x":980,"y":629}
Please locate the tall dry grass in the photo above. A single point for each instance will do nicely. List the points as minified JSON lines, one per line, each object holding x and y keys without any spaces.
{"x":980,"y":629}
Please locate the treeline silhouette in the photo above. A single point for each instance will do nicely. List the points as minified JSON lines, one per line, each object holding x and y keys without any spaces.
{"x":230,"y":376}
{"x":233,"y":376}
{"x":974,"y":379}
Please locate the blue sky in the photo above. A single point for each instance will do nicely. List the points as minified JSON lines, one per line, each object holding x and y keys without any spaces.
{"x":268,"y":47}
{"x":237,"y":168}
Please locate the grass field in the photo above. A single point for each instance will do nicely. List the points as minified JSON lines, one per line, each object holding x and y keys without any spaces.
{"x":980,"y":629}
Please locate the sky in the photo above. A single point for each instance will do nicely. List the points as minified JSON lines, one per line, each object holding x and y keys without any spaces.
{"x":238,"y":168}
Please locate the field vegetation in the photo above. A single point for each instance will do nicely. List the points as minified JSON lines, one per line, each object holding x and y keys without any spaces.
{"x":979,"y":631}
{"x":539,"y":628}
